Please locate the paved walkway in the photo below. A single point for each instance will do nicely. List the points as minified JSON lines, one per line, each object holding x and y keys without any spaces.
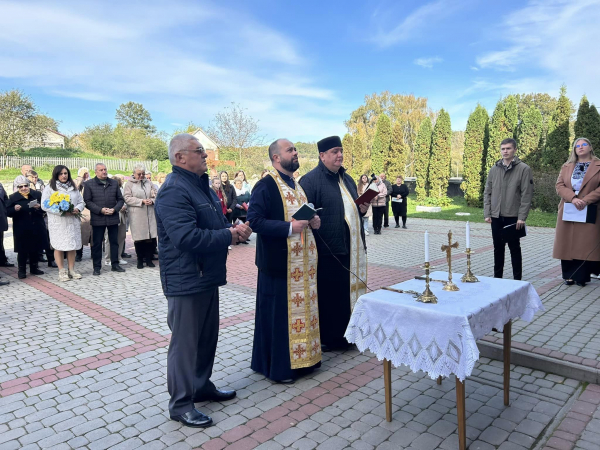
{"x":82,"y":365}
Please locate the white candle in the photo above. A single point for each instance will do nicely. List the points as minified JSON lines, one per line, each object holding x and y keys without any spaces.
{"x":427,"y":246}
{"x":468,"y":235}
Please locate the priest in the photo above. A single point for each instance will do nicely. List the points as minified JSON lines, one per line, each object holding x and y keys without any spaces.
{"x":287,"y":341}
{"x":342,"y":269}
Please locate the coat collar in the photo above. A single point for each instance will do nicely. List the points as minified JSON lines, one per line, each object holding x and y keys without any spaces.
{"x":325,"y":170}
{"x":593,"y":169}
{"x":109,"y":181}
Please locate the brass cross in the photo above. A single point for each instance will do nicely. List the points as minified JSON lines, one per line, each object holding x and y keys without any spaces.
{"x":448,"y":249}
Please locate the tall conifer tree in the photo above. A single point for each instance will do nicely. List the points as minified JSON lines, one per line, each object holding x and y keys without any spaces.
{"x":358,"y":150}
{"x":348,"y":150}
{"x":422,"y":156}
{"x":381,"y":143}
{"x":529,"y":135}
{"x":439,"y":164}
{"x":594,"y":133}
{"x":396,"y":161}
{"x":583,"y":121}
{"x":511,"y":114}
{"x":476,"y":142}
{"x":501,"y":127}
{"x":559,"y":140}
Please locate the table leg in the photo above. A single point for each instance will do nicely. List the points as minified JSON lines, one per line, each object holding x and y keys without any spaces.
{"x":439,"y":380}
{"x":461,"y":414}
{"x":387,"y":381}
{"x":507,"y":340}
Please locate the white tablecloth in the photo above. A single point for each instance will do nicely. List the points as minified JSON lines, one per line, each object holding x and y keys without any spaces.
{"x":439,"y":339}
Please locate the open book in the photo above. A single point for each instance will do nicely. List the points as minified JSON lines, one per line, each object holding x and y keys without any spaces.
{"x":368,"y":195}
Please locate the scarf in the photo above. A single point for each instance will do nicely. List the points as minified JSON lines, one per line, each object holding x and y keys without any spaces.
{"x":63,"y":186}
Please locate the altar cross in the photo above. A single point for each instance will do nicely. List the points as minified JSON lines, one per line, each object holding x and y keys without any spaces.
{"x":448,"y":249}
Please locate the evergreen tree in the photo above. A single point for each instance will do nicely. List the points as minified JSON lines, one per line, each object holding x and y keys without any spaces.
{"x":583,"y":122}
{"x":476,"y":142}
{"x":348,"y":148}
{"x":594,"y":133}
{"x":381,"y":143}
{"x":511,"y":114}
{"x":439,"y":163}
{"x":358,"y":150}
{"x":501,"y":128}
{"x":559,"y":139}
{"x":422,"y":157}
{"x":529,"y":135}
{"x":396,"y":160}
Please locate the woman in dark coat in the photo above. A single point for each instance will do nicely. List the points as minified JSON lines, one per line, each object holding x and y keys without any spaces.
{"x":230,"y":193}
{"x":29,"y":229}
{"x":399,"y":196}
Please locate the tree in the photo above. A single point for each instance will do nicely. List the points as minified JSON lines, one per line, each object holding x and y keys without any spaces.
{"x":134,"y":115}
{"x":501,"y":127}
{"x":358,"y":160}
{"x":381,"y":143}
{"x":20,"y":122}
{"x":559,"y":139}
{"x":511,"y":114}
{"x":395,"y":164}
{"x":347,"y":145}
{"x":99,"y":139}
{"x":583,"y":122}
{"x":422,"y":156}
{"x":474,"y":156}
{"x":594,"y":131}
{"x":529,"y":136}
{"x":439,"y":163}
{"x":189,"y":129}
{"x":456,"y":153}
{"x":235,"y":130}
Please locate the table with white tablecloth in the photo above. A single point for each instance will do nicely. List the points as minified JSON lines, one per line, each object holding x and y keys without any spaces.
{"x":440,"y":339}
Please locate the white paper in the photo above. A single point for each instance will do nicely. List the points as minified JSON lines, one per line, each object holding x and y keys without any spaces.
{"x":397,"y":200}
{"x":572,"y":214}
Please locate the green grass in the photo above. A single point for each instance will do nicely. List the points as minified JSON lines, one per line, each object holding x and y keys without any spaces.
{"x":535,"y":219}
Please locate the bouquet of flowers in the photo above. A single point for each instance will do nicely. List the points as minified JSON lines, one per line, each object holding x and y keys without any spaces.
{"x":60,"y":203}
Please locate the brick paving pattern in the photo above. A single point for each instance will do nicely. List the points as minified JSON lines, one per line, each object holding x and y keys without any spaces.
{"x":83,"y":365}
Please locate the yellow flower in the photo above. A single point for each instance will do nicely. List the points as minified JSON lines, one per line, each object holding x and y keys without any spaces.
{"x":68,"y":197}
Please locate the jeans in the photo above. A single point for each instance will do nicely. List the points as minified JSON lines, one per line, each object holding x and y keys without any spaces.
{"x":378,"y":217}
{"x":98,"y":237}
{"x":500,"y":246}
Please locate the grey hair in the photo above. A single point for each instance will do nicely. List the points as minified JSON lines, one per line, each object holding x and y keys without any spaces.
{"x":99,"y":164}
{"x":177,"y":143}
{"x":139,"y":166}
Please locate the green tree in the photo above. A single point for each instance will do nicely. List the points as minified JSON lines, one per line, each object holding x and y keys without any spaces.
{"x":529,"y":137}
{"x":511,"y":113}
{"x":358,"y":151}
{"x":474,"y":156}
{"x":439,"y":163}
{"x":395,"y":163}
{"x":458,"y":149}
{"x":381,"y":143}
{"x":422,"y":157}
{"x":348,"y":147}
{"x":501,"y":127}
{"x":583,"y":121}
{"x":134,"y":115}
{"x":559,"y":139}
{"x":99,"y":139}
{"x":20,"y":122}
{"x":594,"y":131}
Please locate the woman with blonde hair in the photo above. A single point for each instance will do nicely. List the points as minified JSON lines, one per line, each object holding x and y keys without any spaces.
{"x":578,"y":186}
{"x":241,"y":174}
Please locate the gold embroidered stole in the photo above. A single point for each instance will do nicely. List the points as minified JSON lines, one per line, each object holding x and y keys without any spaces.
{"x":358,"y":256}
{"x":303,"y":309}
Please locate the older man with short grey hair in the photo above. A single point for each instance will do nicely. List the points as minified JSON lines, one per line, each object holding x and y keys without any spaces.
{"x":193,"y":237}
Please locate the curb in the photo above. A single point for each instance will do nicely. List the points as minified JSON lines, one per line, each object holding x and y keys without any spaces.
{"x":541,"y":362}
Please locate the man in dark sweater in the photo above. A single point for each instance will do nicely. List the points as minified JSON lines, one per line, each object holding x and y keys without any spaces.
{"x":103,"y":198}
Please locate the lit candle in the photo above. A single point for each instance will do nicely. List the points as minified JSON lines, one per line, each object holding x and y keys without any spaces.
{"x":427,"y":246}
{"x":468,"y":235}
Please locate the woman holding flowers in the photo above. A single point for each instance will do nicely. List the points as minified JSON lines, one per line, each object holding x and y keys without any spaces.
{"x":63,"y":202}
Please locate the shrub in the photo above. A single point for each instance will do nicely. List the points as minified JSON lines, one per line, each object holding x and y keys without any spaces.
{"x":435,"y":201}
{"x":545,"y":197}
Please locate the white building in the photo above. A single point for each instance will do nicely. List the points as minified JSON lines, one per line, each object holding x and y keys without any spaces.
{"x":51,"y":139}
{"x":209,"y":145}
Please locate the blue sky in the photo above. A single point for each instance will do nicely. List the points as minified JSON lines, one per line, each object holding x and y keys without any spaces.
{"x":300,"y":68}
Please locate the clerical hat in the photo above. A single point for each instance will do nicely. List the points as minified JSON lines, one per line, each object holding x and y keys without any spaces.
{"x":328,"y":143}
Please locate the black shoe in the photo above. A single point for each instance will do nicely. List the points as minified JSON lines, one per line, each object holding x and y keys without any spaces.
{"x":569,"y":282}
{"x":4,"y":283}
{"x":7,"y":264}
{"x":52,"y":264}
{"x":36,"y":271}
{"x":397,"y":226}
{"x":582,"y":284}
{"x":96,"y":272}
{"x":325,"y":348}
{"x":117,"y":268}
{"x":149,"y":263}
{"x":386,"y":226}
{"x":78,"y":258}
{"x":22,"y":275}
{"x":288,"y":381}
{"x":404,"y":226}
{"x":140,"y":264}
{"x":193,"y":419}
{"x":215,"y":396}
{"x":125,"y":255}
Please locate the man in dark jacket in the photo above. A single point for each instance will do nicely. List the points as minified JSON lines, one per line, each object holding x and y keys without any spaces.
{"x":342,"y":268}
{"x":193,"y":237}
{"x":3,"y":227}
{"x":103,"y":198}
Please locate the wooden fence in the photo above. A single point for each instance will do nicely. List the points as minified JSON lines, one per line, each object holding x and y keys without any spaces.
{"x":125,"y":165}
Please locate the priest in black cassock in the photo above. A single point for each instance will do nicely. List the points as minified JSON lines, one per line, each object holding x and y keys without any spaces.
{"x":287,"y":340}
{"x":342,"y":270}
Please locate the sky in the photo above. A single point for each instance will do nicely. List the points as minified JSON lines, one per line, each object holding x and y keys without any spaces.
{"x":299,"y":68}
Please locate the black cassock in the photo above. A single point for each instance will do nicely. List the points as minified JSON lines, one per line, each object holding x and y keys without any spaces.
{"x":271,"y":351}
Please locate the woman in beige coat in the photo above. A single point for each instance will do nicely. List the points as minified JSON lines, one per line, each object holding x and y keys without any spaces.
{"x":139,"y":195}
{"x":575,"y":243}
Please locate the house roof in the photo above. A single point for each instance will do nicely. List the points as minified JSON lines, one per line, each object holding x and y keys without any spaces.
{"x":205,"y":140}
{"x":55,"y":132}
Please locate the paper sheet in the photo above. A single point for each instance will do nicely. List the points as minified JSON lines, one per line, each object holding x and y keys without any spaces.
{"x":572,"y":214}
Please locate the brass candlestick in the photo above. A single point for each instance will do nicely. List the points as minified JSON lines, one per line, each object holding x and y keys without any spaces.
{"x":450,"y":286}
{"x":469,"y":277}
{"x":427,"y":296}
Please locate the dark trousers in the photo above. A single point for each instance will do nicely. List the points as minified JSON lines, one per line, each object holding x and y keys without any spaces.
{"x":500,"y":245}
{"x":3,"y":258}
{"x":397,"y":219}
{"x":578,"y":270}
{"x":378,"y":212}
{"x":22,"y":260}
{"x":194,"y":324}
{"x":144,"y":249}
{"x":386,"y":213}
{"x":98,"y":237}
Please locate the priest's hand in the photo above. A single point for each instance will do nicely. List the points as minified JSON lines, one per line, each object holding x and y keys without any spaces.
{"x":244,"y":231}
{"x":315,"y":222}
{"x":298,"y":226}
{"x":234,"y":235}
{"x":364,"y":208}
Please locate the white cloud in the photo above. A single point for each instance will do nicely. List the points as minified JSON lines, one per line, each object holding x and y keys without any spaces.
{"x":428,"y":62}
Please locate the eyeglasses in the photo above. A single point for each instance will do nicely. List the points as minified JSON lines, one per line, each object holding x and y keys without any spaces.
{"x":22,"y":186}
{"x":196,"y":150}
{"x":582,"y":145}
